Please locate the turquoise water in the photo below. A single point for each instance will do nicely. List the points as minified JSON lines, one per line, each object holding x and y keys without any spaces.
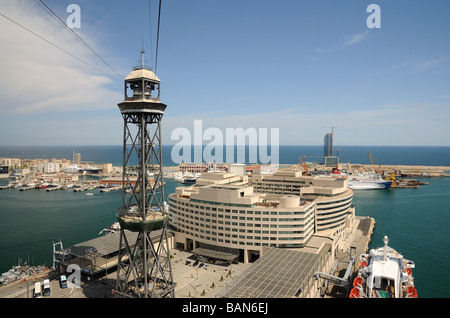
{"x":30,"y":221}
{"x":416,"y":220}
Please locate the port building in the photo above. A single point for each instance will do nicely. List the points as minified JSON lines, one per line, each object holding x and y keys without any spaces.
{"x":98,"y":256}
{"x":236,"y":217}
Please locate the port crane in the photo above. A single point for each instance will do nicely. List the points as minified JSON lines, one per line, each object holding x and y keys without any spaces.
{"x":373,"y":166}
{"x":305,"y":167}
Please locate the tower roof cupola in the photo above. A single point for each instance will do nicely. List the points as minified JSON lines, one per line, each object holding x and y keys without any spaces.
{"x":142,"y":91}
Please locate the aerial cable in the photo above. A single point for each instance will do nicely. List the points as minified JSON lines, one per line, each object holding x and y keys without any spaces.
{"x":58,"y":47}
{"x":78,"y":37}
{"x":157,"y":36}
{"x":150,"y":28}
{"x":46,"y":11}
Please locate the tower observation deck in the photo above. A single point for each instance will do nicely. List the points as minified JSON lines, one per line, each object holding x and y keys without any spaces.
{"x":143,"y":270}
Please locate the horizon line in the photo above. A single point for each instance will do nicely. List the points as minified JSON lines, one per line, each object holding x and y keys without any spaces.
{"x":225,"y":145}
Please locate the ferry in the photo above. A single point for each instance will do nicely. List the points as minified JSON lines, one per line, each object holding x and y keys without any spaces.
{"x":384,"y":273}
{"x":368,"y":181}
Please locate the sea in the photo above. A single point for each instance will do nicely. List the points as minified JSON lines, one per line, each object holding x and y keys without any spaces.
{"x":417,"y":221}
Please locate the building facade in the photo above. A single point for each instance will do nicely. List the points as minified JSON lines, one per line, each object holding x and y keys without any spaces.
{"x":49,"y":167}
{"x":240,"y":216}
{"x":328,"y":145}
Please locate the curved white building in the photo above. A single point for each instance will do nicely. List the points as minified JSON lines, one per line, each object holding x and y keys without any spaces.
{"x":224,"y":215}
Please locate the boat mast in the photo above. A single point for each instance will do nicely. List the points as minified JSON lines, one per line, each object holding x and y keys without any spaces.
{"x":385,"y":240}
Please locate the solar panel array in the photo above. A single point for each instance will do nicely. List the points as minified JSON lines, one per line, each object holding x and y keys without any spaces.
{"x":278,"y":274}
{"x":106,"y":244}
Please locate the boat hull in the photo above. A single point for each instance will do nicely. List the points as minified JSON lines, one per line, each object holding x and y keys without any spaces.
{"x":367,"y":185}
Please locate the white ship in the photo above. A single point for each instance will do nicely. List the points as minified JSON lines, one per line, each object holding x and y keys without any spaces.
{"x":384,"y":273}
{"x":368,"y":181}
{"x":113,"y":228}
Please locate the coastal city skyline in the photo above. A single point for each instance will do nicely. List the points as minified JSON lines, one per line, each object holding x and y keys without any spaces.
{"x":224,"y":151}
{"x":299,"y":66}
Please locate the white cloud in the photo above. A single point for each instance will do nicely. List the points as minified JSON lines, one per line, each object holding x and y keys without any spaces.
{"x":355,"y":38}
{"x":37,"y":77}
{"x":430,"y":64}
{"x":319,"y":50}
{"x":346,"y":42}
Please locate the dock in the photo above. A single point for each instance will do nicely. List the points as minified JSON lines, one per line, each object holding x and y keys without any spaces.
{"x":98,"y":255}
{"x":27,"y":188}
{"x":54,"y":188}
{"x":98,"y":260}
{"x":110,"y":189}
{"x":359,"y":239}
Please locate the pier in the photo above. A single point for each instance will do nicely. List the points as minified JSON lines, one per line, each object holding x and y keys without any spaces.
{"x":110,"y":189}
{"x":9,"y":186}
{"x":358,"y":240}
{"x":27,"y":188}
{"x":54,"y":188}
{"x":217,"y":280}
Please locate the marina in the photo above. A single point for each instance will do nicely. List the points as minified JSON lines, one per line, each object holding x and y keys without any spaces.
{"x":213,"y":280}
{"x":234,"y":216}
{"x":330,"y":266}
{"x":361,"y":200}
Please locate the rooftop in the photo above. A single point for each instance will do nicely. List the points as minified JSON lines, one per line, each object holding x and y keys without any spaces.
{"x":279,"y":273}
{"x":142,"y":73}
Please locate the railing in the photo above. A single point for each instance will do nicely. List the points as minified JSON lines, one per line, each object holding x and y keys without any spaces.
{"x":139,"y":97}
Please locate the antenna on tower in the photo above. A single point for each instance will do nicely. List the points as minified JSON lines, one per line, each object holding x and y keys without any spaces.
{"x":142,"y":53}
{"x":141,"y":64}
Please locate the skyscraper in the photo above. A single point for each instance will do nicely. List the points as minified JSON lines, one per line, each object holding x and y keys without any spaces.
{"x":328,"y":145}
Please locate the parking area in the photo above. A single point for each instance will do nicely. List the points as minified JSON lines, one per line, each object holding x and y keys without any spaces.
{"x":199,"y":278}
{"x":194,"y":278}
{"x":26,"y":288}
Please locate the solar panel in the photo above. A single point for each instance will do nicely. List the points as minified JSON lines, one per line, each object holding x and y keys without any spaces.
{"x":279,"y":273}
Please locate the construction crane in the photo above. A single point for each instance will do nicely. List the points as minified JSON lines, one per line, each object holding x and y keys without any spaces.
{"x":371,"y":160}
{"x":305,"y":167}
{"x":332,"y":129}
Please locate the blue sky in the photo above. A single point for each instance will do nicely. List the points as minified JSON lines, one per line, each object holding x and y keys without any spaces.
{"x":299,"y":66}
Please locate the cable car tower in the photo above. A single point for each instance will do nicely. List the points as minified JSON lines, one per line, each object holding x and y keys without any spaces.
{"x":144,"y":269}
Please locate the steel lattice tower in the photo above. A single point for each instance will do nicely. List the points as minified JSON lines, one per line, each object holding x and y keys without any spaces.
{"x":144,"y":267}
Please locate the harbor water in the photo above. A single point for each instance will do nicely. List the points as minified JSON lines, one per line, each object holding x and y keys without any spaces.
{"x":415,"y":220}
